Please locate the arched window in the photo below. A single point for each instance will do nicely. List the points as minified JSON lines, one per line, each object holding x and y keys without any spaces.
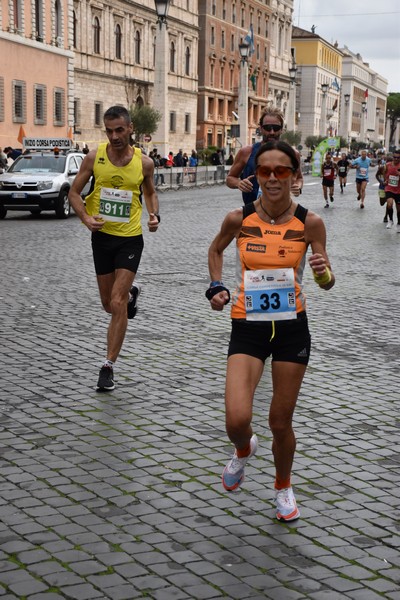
{"x":74,"y":29}
{"x":139,"y":101}
{"x":137,"y":47}
{"x":172,"y":58}
{"x":118,"y":42}
{"x":154,"y":51}
{"x":96,"y":35}
{"x":58,"y":19}
{"x":187,"y":61}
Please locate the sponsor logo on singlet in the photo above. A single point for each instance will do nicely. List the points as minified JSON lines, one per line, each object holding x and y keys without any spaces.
{"x":255,"y":247}
{"x":272,"y":232}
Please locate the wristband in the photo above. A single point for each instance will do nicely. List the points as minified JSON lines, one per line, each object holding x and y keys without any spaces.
{"x":216,"y":289}
{"x":215,"y":283}
{"x":157,"y":216}
{"x":323,"y":279}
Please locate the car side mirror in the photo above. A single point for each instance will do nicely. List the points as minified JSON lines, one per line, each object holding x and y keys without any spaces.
{"x":73,"y":172}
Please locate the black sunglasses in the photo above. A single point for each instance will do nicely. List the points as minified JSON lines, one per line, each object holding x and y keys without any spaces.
{"x":269,"y":127}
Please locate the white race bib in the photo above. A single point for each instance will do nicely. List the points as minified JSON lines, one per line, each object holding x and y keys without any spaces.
{"x":115,"y":205}
{"x":269,"y":295}
{"x":393,"y":180}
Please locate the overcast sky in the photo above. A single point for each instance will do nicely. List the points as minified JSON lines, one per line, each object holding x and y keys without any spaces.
{"x":368,"y":27}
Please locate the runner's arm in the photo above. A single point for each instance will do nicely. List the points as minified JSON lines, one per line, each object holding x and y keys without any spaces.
{"x":315,"y":234}
{"x":233,"y":180}
{"x":149,"y":192}
{"x":229,"y":229}
{"x":92,"y":222}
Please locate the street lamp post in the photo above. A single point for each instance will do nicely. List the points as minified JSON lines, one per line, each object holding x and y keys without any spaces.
{"x":291,"y":112}
{"x":322,"y":124}
{"x":345,"y":125}
{"x":388,"y":125}
{"x":363,"y":116}
{"x":243,"y":100}
{"x":160,"y":91}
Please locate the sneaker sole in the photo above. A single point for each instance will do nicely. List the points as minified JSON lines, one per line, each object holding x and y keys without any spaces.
{"x":231,"y":488}
{"x":105,"y":389}
{"x":292,"y":517}
{"x":132,"y":305}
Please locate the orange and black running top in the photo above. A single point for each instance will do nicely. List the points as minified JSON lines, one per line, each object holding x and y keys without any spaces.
{"x":270,"y":261}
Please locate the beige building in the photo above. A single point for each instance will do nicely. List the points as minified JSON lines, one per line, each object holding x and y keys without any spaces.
{"x":114,"y":44}
{"x":37,"y":75}
{"x":223,"y":25}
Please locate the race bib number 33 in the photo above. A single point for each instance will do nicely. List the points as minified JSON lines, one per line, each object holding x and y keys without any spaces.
{"x":269,"y":295}
{"x":115,"y":205}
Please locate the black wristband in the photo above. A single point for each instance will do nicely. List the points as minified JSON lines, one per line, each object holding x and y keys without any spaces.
{"x":157,"y":216}
{"x":212,"y":291}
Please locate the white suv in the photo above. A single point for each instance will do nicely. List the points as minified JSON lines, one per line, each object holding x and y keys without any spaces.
{"x":39,"y":181}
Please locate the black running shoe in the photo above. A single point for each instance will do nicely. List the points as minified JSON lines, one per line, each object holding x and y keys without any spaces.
{"x":106,"y":379}
{"x":132,"y":304}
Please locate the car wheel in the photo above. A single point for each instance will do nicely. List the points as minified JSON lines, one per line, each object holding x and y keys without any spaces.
{"x":3,"y":212}
{"x":63,"y":207}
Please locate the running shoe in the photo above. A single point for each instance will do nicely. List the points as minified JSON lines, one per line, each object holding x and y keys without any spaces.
{"x":358,"y":197}
{"x":233,"y":474}
{"x":361,"y":205}
{"x":286,"y":507}
{"x":385,"y":219}
{"x":106,"y":379}
{"x":132,"y":303}
{"x":389,"y":225}
{"x":326,"y":205}
{"x":331,"y":198}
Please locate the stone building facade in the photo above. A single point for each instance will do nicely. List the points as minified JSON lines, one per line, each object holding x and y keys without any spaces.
{"x":223,"y":25}
{"x":37,"y":72}
{"x":114,"y":45}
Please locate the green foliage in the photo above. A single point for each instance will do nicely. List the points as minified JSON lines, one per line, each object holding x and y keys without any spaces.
{"x":204,"y":156}
{"x":292,"y":137}
{"x":145,"y":120}
{"x":312,"y":141}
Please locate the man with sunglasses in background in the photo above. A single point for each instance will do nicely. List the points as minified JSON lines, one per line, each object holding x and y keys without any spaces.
{"x":241,"y":175}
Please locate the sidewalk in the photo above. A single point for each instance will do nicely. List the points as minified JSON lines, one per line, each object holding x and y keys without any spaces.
{"x":119,"y":495}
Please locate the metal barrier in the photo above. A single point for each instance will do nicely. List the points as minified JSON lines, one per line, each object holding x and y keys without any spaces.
{"x":176,"y":177}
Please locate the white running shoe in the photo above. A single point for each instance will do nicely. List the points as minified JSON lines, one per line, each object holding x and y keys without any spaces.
{"x":286,"y":507}
{"x":389,"y":225}
{"x":233,"y":474}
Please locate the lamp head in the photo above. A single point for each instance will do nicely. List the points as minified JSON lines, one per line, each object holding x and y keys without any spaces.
{"x":244,"y":51}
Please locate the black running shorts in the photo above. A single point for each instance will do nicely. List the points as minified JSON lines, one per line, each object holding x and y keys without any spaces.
{"x":111,"y":252}
{"x":287,"y":341}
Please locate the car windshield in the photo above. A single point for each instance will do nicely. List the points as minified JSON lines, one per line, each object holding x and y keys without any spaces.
{"x":38,"y":163}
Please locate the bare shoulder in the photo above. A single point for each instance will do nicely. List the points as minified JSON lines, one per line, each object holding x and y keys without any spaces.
{"x":233,"y":219}
{"x":314,"y":227}
{"x":147,"y":164}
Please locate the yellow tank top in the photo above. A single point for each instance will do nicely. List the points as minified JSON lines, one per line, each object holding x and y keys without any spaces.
{"x":130,"y":177}
{"x":264,"y":246}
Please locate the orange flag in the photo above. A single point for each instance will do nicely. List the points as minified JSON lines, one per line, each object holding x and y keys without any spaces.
{"x":70,"y":134}
{"x":21,"y":134}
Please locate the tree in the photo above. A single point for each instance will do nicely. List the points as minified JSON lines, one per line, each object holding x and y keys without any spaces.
{"x":145,"y":120}
{"x":392,"y":114}
{"x":292,"y":137}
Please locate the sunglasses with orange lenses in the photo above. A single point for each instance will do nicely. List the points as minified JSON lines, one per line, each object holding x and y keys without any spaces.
{"x":280,"y":172}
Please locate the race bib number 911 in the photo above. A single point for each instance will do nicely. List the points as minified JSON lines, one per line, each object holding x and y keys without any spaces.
{"x":115,"y":205}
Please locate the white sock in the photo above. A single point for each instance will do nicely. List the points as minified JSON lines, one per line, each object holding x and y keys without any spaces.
{"x":108,"y":363}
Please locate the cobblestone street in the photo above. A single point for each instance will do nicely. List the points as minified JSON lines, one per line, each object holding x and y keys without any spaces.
{"x":119,"y":495}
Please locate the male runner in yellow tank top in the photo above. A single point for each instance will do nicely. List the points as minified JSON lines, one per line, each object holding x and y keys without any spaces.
{"x":113,"y":214}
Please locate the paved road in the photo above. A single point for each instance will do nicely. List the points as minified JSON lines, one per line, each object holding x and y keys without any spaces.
{"x":119,"y":496}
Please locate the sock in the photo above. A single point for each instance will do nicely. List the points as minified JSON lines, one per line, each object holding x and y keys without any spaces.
{"x":108,"y":363}
{"x":243,"y":452}
{"x":390,"y":213}
{"x":281,"y":484}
